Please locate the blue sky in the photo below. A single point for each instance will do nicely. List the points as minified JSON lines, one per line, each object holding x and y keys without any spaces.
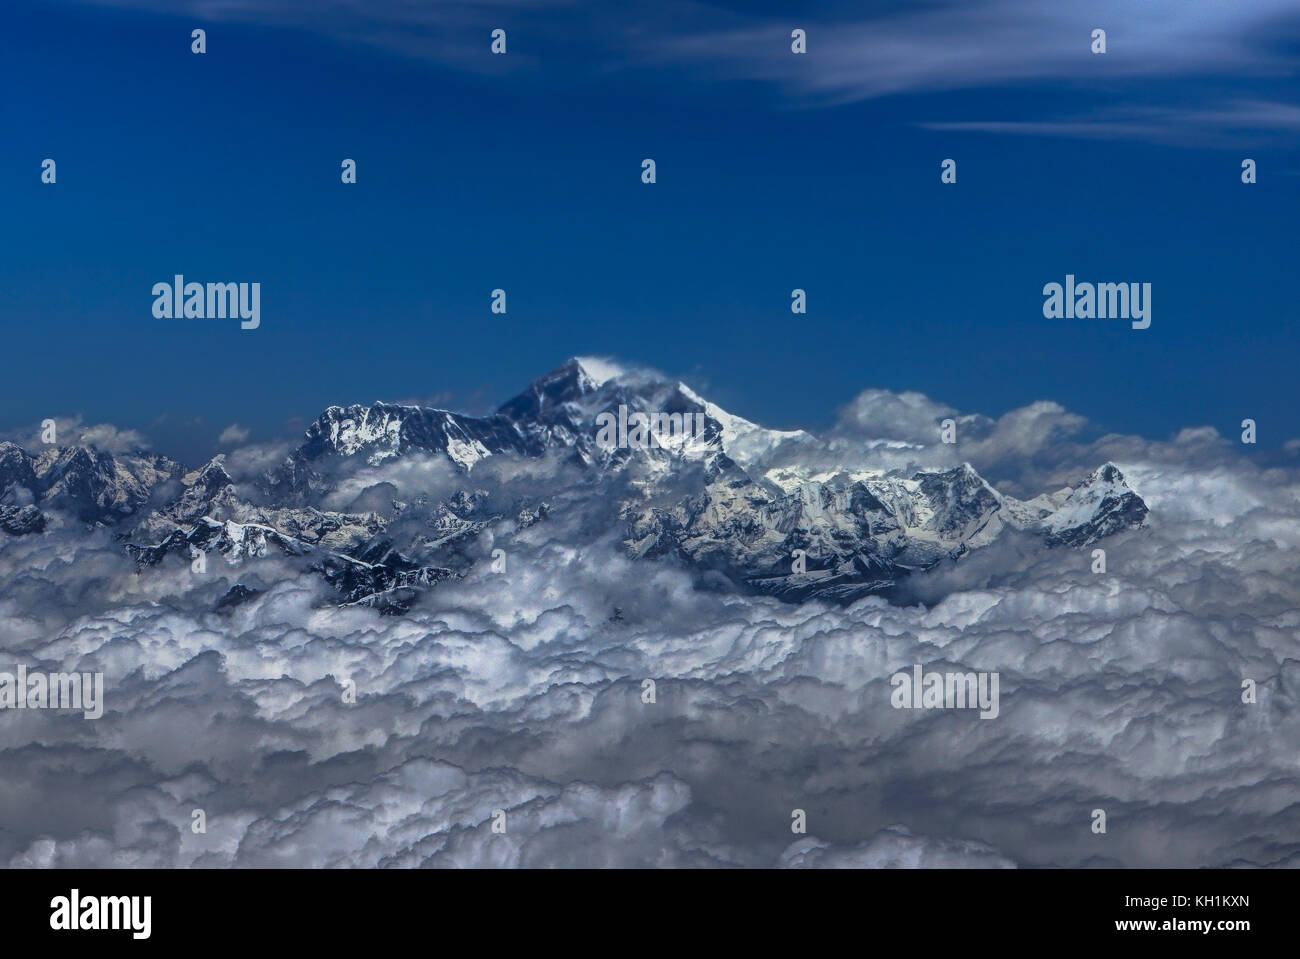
{"x":775,"y":171}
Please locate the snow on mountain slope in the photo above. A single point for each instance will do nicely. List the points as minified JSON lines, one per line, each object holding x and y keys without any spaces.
{"x":748,"y":444}
{"x":1098,"y":506}
{"x":732,"y":497}
{"x":81,"y":484}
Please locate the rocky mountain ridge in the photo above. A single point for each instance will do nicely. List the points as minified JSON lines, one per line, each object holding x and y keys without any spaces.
{"x":708,"y":498}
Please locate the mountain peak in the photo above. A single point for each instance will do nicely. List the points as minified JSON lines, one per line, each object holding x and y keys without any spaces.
{"x":702,"y":496}
{"x":575,"y":378}
{"x":598,"y":369}
{"x":1107,"y":472}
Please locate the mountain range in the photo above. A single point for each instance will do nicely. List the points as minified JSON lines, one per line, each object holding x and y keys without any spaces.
{"x":758,"y":506}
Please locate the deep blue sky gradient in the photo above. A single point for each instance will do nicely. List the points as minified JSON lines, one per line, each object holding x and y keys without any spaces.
{"x":225,"y":167}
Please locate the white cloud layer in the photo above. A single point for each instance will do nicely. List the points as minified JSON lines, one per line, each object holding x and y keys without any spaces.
{"x":522,"y":692}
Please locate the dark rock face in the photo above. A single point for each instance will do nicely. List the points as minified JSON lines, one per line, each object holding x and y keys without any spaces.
{"x":236,"y":596}
{"x":1100,"y":506}
{"x":21,"y":520}
{"x":16,"y":468}
{"x":380,"y":577}
{"x":84,"y":484}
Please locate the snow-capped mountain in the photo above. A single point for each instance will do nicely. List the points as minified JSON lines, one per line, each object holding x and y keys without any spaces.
{"x":728,"y":497}
{"x":558,"y":411}
{"x":21,"y":520}
{"x":79,"y":483}
{"x":1096,"y":507}
{"x":845,"y":539}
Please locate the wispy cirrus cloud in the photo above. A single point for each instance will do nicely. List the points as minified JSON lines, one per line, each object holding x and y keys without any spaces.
{"x":856,"y":55}
{"x":955,"y":46}
{"x":1211,"y":124}
{"x":852,"y":54}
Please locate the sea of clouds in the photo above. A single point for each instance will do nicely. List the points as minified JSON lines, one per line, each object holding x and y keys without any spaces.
{"x":521,"y":690}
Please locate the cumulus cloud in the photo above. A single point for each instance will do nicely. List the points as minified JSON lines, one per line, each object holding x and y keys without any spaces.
{"x":246,"y":464}
{"x":73,"y":431}
{"x":1036,"y":448}
{"x":519,"y":696}
{"x":893,"y":848}
{"x":234,"y":434}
